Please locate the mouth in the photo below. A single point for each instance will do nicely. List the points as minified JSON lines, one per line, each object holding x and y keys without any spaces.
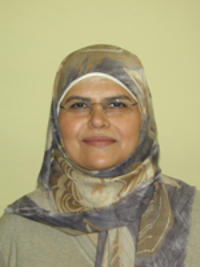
{"x":99,"y":141}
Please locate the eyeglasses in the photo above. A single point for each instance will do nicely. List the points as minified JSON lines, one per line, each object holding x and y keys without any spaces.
{"x":111,"y":106}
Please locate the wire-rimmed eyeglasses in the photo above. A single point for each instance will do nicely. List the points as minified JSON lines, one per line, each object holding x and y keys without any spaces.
{"x":110,"y":106}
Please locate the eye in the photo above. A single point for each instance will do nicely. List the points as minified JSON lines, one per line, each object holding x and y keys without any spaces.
{"x":79,"y":105}
{"x":117,"y":104}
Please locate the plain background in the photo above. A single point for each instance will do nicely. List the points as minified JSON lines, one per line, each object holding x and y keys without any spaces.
{"x":37,"y":35}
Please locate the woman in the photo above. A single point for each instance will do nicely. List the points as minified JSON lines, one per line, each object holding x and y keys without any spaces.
{"x":101,"y":198}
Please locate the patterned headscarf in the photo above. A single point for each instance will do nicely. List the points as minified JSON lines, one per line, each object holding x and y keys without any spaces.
{"x":132,"y":207}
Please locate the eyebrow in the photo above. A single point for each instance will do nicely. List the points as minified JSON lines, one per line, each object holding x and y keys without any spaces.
{"x":87,"y":99}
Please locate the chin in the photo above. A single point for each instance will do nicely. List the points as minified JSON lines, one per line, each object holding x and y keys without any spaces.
{"x":100,"y":165}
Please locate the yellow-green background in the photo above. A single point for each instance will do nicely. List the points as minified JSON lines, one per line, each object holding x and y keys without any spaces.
{"x":36,"y":35}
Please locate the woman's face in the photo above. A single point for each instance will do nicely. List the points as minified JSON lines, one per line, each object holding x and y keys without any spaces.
{"x":103,"y":137}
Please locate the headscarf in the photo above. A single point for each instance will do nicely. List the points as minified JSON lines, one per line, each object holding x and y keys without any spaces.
{"x":136,"y":211}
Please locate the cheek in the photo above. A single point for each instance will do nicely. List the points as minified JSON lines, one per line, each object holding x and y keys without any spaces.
{"x":70,"y":129}
{"x":128,"y":131}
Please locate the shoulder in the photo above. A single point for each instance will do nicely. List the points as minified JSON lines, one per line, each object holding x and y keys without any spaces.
{"x":193,"y":246}
{"x":10,"y":220}
{"x":24,"y":242}
{"x":196,"y":202}
{"x":15,"y":228}
{"x":195,"y":217}
{"x":12,"y":225}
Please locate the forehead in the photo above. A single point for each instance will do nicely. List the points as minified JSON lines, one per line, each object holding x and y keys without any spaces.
{"x":96,"y":88}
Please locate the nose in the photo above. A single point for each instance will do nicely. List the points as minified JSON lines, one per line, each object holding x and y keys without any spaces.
{"x":98,"y":118}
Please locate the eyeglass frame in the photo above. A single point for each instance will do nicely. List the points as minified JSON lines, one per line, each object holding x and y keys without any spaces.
{"x":103,"y":104}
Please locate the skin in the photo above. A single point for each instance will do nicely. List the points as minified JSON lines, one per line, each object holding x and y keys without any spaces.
{"x":97,"y":141}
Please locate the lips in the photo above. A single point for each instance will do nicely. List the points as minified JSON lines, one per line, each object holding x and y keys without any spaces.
{"x":99,"y":141}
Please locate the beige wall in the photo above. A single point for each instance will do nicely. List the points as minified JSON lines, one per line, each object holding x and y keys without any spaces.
{"x":36,"y":35}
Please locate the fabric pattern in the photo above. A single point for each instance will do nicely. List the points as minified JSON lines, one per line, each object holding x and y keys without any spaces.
{"x":142,"y":217}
